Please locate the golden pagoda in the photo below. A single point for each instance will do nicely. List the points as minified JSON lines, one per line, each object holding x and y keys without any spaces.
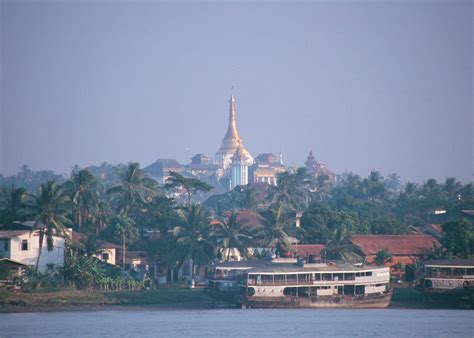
{"x":232,"y":142}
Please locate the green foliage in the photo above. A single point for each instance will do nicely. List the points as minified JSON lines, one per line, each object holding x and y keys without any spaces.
{"x":231,"y":233}
{"x":193,"y":237}
{"x":459,"y":238}
{"x":190,"y":185}
{"x":12,"y":204}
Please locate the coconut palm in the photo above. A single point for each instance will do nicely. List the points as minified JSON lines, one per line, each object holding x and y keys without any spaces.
{"x":83,"y":190}
{"x":231,"y":235}
{"x":382,"y":257}
{"x":49,"y":209}
{"x":193,"y":237}
{"x":135,"y":188}
{"x":272,"y":228}
{"x":339,"y":247}
{"x":12,"y":204}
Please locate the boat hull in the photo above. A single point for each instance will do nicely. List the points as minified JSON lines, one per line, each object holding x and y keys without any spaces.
{"x":378,"y":301}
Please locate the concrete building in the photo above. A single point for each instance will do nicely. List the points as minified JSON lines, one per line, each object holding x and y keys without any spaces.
{"x":22,"y":246}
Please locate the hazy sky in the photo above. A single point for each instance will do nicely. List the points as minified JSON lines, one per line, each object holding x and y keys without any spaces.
{"x":365,"y":85}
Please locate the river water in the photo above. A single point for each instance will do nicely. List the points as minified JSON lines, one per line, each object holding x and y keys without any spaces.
{"x":242,"y":323}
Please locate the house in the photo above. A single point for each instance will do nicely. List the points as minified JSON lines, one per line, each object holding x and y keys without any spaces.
{"x":22,"y":246}
{"x":11,"y":270}
{"x":401,"y":250}
{"x":105,"y":251}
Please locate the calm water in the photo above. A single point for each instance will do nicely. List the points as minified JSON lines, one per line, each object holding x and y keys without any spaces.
{"x":242,"y":323}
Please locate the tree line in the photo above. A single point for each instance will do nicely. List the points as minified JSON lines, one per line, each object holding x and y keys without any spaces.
{"x":124,"y":210}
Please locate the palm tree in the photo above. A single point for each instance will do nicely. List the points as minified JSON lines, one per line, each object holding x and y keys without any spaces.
{"x":49,"y":210}
{"x":12,"y":204}
{"x":247,"y":197}
{"x":135,"y":188}
{"x":82,"y":189}
{"x":272,"y":229}
{"x":231,"y":234}
{"x":190,"y":185}
{"x":193,"y":237}
{"x":292,"y":190}
{"x":382,"y":257}
{"x":339,"y":247}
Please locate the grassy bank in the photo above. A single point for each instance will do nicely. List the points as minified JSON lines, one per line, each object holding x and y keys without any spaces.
{"x":43,"y":300}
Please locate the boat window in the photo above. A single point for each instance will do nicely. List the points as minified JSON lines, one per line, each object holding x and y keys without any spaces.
{"x":368,"y":273}
{"x":317,"y":276}
{"x":279,"y":279}
{"x":470,"y":271}
{"x":338,"y":276}
{"x":291,"y":277}
{"x":458,"y":271}
{"x":360,"y":289}
{"x":303,"y":277}
{"x":267,"y":278}
{"x":349,"y":276}
{"x":327,"y":276}
{"x":291,"y":291}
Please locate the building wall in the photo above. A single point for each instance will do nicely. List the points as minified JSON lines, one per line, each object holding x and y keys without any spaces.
{"x":112,"y":255}
{"x":29,"y":257}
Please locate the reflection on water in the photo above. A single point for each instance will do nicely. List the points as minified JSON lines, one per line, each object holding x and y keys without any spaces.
{"x":218,"y":323}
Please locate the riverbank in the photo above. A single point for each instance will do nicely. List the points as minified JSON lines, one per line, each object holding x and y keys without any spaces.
{"x":47,"y":300}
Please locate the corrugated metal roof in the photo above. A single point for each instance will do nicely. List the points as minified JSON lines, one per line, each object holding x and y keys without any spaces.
{"x":395,"y":244}
{"x":306,"y":250}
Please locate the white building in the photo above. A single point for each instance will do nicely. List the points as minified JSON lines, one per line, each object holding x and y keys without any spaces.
{"x":23,"y":246}
{"x":239,"y":170}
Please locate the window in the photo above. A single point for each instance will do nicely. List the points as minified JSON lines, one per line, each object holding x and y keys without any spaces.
{"x":105,"y":257}
{"x":24,"y":245}
{"x":4,"y":245}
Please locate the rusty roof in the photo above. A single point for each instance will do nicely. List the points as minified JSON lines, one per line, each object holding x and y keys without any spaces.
{"x":395,"y":244}
{"x":12,"y":233}
{"x":306,"y":250}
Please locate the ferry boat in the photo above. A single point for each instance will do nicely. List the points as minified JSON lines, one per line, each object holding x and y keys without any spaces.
{"x":448,"y":281}
{"x":284,"y":284}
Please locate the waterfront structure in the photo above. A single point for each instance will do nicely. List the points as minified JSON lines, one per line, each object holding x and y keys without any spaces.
{"x":239,"y":170}
{"x":448,"y":281}
{"x":232,"y":141}
{"x":22,"y":246}
{"x":401,"y":250}
{"x":291,"y":284}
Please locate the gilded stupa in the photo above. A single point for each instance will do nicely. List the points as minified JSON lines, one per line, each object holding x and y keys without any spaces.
{"x":232,"y":142}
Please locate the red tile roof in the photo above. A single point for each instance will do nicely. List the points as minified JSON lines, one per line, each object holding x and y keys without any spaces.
{"x":395,"y":244}
{"x":306,"y":250}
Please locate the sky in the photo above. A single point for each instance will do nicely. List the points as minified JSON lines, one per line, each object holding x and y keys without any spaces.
{"x":365,"y":85}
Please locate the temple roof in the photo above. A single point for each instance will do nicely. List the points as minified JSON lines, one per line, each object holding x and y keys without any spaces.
{"x":232,"y":141}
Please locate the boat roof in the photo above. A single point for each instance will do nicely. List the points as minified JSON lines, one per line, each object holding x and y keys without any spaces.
{"x":450,"y":263}
{"x":309,"y":268}
{"x":272,"y":267}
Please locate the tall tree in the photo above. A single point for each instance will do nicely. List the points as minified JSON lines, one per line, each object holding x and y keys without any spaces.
{"x":83,"y":190}
{"x":193,"y":238}
{"x":232,"y":234}
{"x":459,"y":238}
{"x":135,"y":188}
{"x":12,"y":204}
{"x":49,"y":209}
{"x":272,"y":230}
{"x":190,"y":185}
{"x":340,"y":247}
{"x":126,"y":232}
